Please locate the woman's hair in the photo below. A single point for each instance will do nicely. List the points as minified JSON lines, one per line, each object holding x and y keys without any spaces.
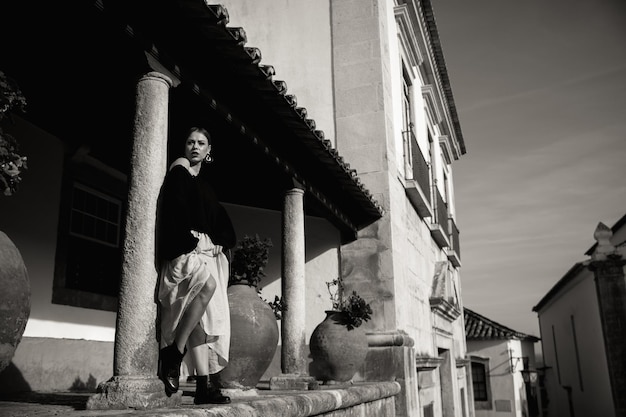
{"x":200,"y":130}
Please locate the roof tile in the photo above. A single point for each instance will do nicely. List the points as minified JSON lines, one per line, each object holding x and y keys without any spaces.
{"x":478,"y":327}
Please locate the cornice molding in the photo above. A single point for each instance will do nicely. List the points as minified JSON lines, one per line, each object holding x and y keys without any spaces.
{"x":427,"y":363}
{"x":406,"y":35}
{"x":432,"y":104}
{"x":444,"y":144}
{"x":439,"y":74}
{"x":444,"y":309}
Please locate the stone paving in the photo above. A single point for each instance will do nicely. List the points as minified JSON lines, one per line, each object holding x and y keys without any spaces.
{"x":72,"y":404}
{"x":333,"y":400}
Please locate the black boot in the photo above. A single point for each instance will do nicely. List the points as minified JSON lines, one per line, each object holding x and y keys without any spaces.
{"x":207,"y":393}
{"x":169,"y":369}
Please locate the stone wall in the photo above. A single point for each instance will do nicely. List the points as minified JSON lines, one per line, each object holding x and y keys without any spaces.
{"x":46,"y":364}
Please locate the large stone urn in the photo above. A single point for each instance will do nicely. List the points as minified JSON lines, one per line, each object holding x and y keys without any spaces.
{"x":337,"y":352}
{"x":254,"y":338}
{"x":14,"y":299}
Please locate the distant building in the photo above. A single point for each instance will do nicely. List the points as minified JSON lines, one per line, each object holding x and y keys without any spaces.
{"x":582,"y":320}
{"x":504,"y":370}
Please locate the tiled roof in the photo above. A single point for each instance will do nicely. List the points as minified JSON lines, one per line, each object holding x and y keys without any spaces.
{"x":304,"y":148}
{"x":479,"y":327}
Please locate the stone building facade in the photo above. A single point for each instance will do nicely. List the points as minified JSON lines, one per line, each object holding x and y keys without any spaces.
{"x":372,"y":73}
{"x":370,"y":140}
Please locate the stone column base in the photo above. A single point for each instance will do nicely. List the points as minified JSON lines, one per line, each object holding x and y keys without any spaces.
{"x":293,"y":382}
{"x":121,"y":392}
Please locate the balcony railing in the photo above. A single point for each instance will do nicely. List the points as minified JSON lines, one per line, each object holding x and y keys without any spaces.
{"x":421,"y":170}
{"x":441,"y":209}
{"x":418,"y":184}
{"x":439,"y":227}
{"x":454,"y":252}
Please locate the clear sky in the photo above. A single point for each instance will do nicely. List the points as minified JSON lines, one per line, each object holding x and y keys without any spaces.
{"x":540,"y":88}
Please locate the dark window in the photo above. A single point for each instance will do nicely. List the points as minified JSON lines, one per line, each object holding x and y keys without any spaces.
{"x":428,"y":410}
{"x":94,"y":253}
{"x":90,"y":236}
{"x":95,"y":216}
{"x":479,"y":381}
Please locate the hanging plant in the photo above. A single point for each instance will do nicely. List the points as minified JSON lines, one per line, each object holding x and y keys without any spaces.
{"x":11,"y":162}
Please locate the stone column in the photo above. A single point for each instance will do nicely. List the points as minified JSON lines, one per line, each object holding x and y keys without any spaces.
{"x":293,"y":352}
{"x":608,"y":267}
{"x":293,"y":286}
{"x":135,"y":383}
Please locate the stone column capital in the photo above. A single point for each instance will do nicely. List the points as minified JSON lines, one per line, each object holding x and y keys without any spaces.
{"x":157,"y":76}
{"x":294,"y":191}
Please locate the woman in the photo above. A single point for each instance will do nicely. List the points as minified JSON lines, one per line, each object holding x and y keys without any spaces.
{"x":194,"y":230}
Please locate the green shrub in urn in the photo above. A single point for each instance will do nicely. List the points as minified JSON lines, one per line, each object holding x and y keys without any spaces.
{"x":254,"y":329}
{"x":249,"y":259}
{"x":356,"y":310}
{"x":11,"y":162}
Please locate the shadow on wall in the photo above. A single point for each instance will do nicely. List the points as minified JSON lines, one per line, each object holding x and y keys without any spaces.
{"x":12,"y":380}
{"x":80,"y":386}
{"x":51,"y":365}
{"x":13,"y":387}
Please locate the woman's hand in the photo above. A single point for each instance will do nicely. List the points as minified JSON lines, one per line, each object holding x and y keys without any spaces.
{"x":217,"y":249}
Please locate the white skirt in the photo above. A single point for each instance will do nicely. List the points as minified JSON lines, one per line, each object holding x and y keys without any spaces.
{"x":180,"y":281}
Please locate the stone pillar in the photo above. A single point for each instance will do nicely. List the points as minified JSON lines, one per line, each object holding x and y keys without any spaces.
{"x":365,"y":137}
{"x":293,"y":352}
{"x":608,"y":267}
{"x":135,"y":383}
{"x":391,"y":357}
{"x":293,"y":285}
{"x":446,"y":378}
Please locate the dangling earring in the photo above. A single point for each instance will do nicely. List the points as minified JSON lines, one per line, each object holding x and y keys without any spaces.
{"x":208,"y":158}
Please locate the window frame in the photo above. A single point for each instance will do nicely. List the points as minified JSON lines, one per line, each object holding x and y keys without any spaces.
{"x":87,"y":173}
{"x":484,"y":402}
{"x":96,"y":217}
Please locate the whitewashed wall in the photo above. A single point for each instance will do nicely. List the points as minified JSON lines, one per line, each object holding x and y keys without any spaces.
{"x":30,"y":219}
{"x":294,"y":37}
{"x":576,"y":300}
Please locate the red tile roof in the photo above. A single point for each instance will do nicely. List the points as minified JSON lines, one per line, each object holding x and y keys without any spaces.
{"x":479,"y":327}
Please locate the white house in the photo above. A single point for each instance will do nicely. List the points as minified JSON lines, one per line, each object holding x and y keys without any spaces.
{"x":583,"y":337}
{"x":504,"y":369}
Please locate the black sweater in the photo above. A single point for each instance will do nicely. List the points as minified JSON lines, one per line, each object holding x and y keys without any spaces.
{"x":189,"y":203}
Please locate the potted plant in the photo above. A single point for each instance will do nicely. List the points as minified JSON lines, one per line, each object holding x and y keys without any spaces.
{"x":355,"y":309}
{"x":254,"y":329}
{"x":277,"y":306}
{"x":250,"y":257}
{"x":14,"y":283}
{"x":11,"y":162}
{"x":338,"y":344}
